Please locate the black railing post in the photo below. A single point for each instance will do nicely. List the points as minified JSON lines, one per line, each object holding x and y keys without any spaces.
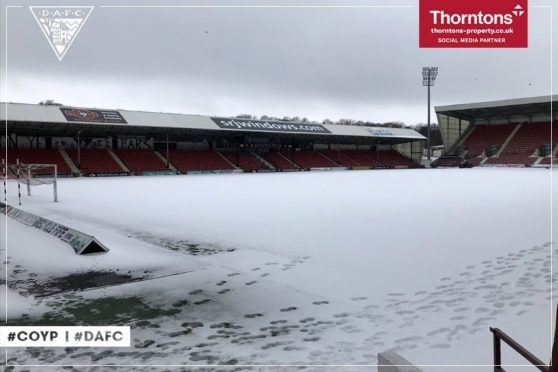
{"x":501,"y":336}
{"x":497,"y":352}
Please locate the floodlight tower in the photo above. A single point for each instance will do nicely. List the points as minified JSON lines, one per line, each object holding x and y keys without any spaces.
{"x":428,"y":77}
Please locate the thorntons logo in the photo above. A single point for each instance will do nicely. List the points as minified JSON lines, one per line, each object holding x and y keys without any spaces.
{"x":60,"y":25}
{"x":480,"y":18}
{"x":473,"y":23}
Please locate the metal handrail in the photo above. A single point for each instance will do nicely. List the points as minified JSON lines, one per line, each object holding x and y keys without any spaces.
{"x":499,"y":335}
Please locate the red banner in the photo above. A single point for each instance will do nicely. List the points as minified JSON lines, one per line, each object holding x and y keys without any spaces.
{"x":473,"y":23}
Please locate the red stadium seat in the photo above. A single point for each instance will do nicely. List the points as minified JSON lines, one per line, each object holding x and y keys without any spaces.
{"x":95,"y":161}
{"x":363,"y":158}
{"x":546,"y":160}
{"x":38,"y":156}
{"x":310,"y":159}
{"x":245,"y":161}
{"x":340,"y":158}
{"x":139,"y":161}
{"x":448,"y":161}
{"x":279,"y":161}
{"x":483,"y":136}
{"x":390,"y":158}
{"x":198,"y":160}
{"x":521,"y":150}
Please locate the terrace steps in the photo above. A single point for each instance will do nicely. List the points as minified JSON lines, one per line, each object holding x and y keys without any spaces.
{"x":69,"y":161}
{"x":508,"y":140}
{"x":165,"y":160}
{"x":227,"y":160}
{"x":118,"y":160}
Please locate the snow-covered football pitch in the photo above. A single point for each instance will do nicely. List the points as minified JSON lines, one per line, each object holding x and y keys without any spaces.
{"x":309,"y":268}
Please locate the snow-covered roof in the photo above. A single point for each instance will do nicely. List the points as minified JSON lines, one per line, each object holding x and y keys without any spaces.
{"x":27,"y":114}
{"x":525,"y":107}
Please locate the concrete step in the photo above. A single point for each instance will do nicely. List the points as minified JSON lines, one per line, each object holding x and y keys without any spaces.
{"x":325,"y":157}
{"x":119,"y":161}
{"x":505,"y":144}
{"x":227,"y":160}
{"x":289,"y":160}
{"x":262,"y":161}
{"x":69,"y":161}
{"x":539,"y":159}
{"x":164,"y":160}
{"x":463,"y":138}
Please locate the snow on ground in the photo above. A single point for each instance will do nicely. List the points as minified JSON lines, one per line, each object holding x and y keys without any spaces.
{"x":294,"y":268}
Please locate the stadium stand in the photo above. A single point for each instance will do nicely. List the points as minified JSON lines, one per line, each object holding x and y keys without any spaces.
{"x":99,"y":161}
{"x":448,"y":161}
{"x":473,"y":162}
{"x":139,"y":161}
{"x":95,"y":161}
{"x":198,"y":160}
{"x":522,"y":148}
{"x":38,"y":156}
{"x":546,"y":160}
{"x":279,"y":161}
{"x":340,"y":158}
{"x":186,"y":143}
{"x":245,"y":161}
{"x":310,"y":159}
{"x":511,"y":160}
{"x":483,"y":136}
{"x":396,"y":159}
{"x":391,"y":159}
{"x":363,"y":159}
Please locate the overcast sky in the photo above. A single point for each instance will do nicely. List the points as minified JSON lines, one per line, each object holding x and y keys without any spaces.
{"x":359,"y":63}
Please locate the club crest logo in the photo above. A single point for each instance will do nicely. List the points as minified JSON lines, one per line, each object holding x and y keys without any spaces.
{"x":61,"y":25}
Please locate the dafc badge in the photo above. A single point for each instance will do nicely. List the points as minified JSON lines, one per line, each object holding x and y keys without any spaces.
{"x":61,"y":25}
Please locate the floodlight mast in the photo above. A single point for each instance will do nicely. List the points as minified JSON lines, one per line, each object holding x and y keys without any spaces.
{"x":428,"y":78}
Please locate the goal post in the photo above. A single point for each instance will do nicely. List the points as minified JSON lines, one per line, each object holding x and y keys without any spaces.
{"x":35,"y":175}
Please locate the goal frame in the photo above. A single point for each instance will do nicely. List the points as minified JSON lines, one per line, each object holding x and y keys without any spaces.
{"x":26,"y":168}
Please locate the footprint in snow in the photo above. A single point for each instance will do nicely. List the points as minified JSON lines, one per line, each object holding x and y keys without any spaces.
{"x":255,"y":315}
{"x":292,"y":308}
{"x":320,"y":302}
{"x":440,"y":346}
{"x":359,"y":298}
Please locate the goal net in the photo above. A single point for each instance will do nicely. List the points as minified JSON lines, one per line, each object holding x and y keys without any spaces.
{"x":31,"y":175}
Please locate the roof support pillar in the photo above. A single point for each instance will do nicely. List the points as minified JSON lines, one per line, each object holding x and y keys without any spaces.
{"x":167,"y":150}
{"x":236,"y":153}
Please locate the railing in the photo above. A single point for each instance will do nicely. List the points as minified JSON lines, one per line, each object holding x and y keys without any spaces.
{"x":499,"y":335}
